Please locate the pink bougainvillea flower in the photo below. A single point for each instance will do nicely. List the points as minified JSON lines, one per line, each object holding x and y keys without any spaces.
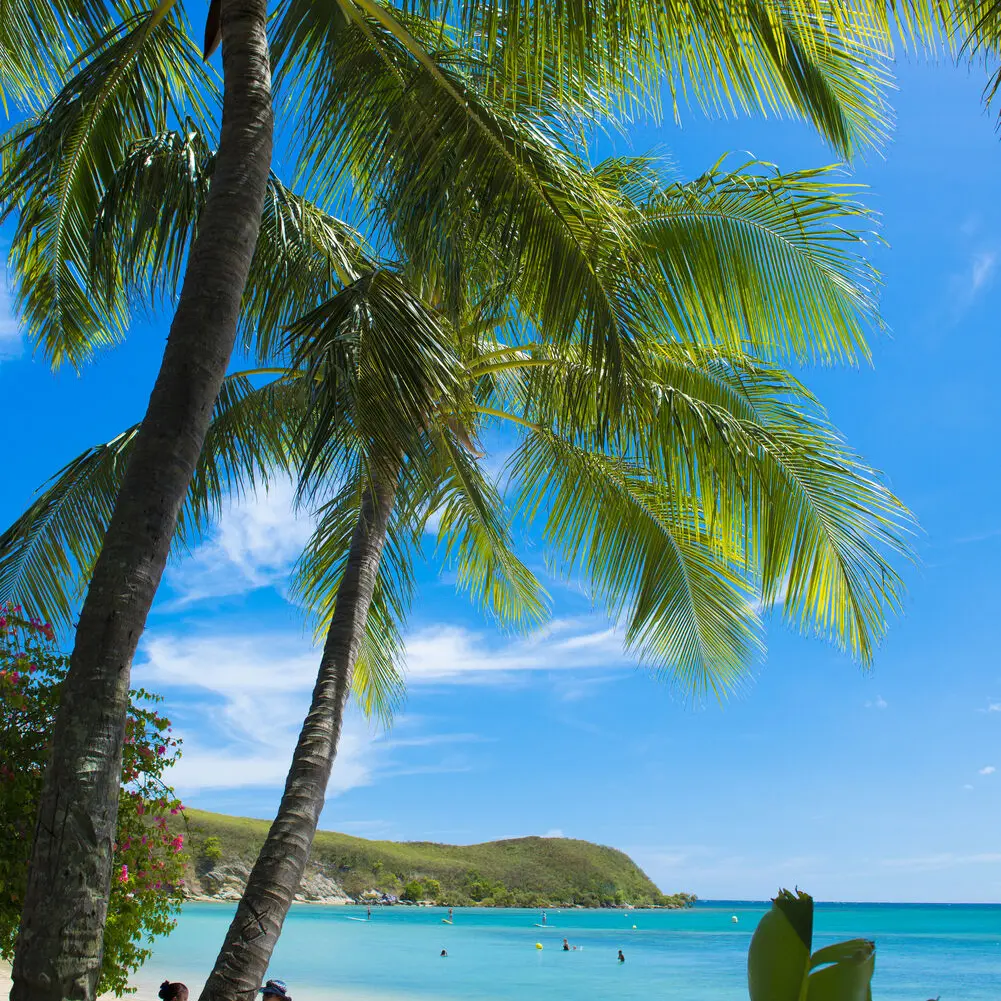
{"x":123,"y":876}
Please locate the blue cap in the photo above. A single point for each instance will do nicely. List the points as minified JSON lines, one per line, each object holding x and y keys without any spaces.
{"x":278,"y":988}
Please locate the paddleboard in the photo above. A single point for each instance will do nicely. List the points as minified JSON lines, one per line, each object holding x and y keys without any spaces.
{"x":357,"y":919}
{"x":445,"y":921}
{"x":543,"y":926}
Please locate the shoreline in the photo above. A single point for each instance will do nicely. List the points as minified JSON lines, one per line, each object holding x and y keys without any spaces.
{"x":208,"y":898}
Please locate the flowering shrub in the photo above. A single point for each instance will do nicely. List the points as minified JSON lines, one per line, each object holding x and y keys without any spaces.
{"x":147,"y":883}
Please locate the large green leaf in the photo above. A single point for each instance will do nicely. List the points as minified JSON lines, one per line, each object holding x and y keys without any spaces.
{"x":140,"y":77}
{"x":781,"y":968}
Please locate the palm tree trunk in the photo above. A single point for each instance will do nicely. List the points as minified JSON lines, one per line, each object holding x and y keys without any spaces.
{"x":276,"y":875}
{"x":60,"y":946}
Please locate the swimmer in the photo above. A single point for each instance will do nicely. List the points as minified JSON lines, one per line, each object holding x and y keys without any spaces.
{"x":566,"y":945}
{"x":172,"y":992}
{"x":622,"y":958}
{"x":444,"y":954}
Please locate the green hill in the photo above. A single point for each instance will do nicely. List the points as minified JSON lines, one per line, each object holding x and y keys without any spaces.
{"x":518,"y":872}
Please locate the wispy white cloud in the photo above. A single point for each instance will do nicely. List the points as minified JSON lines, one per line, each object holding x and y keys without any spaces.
{"x":254,"y":545}
{"x":994,"y":707}
{"x":554,"y":833}
{"x":878,"y":703}
{"x":987,"y":770}
{"x":968,"y":786}
{"x":451,"y":653}
{"x":239,"y":702}
{"x":982,"y":269}
{"x":240,"y":698}
{"x":967,"y":285}
{"x":10,"y":332}
{"x":991,"y":533}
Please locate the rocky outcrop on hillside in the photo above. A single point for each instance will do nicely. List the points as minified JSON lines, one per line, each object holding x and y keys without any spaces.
{"x":225,"y":880}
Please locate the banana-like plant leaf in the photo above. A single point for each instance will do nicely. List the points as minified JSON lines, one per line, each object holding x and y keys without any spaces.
{"x":842,"y":972}
{"x":778,"y":960}
{"x":781,"y":968}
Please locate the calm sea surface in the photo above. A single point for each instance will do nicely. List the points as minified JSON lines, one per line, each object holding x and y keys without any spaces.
{"x":923,"y":951}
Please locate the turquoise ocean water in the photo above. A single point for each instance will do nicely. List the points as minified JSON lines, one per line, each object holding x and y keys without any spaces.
{"x":923,"y":951}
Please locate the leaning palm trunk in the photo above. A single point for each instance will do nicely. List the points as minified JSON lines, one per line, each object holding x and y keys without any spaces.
{"x":60,"y":946}
{"x":276,"y":875}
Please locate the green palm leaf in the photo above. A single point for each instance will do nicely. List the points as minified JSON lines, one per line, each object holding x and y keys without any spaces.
{"x":687,"y":606}
{"x":131,"y":84}
{"x":769,"y":263}
{"x":47,"y":554}
{"x":819,"y":60}
{"x":149,"y":215}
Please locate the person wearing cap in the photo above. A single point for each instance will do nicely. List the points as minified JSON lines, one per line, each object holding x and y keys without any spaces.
{"x":277,"y":989}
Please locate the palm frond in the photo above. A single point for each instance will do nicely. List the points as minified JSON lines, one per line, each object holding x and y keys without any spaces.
{"x":141,"y":76}
{"x":37,"y":43}
{"x":456,"y":174}
{"x":686,"y":604}
{"x":766,"y":263}
{"x":47,"y":554}
{"x":149,"y":216}
{"x":378,"y":362}
{"x":743,"y":450}
{"x":820,"y":60}
{"x":475,"y":538}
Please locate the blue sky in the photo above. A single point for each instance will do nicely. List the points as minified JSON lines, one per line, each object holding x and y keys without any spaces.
{"x":876,"y":786}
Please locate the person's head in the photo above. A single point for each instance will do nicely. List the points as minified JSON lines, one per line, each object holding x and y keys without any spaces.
{"x":172,"y":992}
{"x":443,"y":952}
{"x":276,"y":990}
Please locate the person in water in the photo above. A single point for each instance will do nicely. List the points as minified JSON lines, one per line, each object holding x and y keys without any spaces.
{"x":622,"y":958}
{"x":368,"y":913}
{"x":172,"y":992}
{"x":276,"y":989}
{"x":444,"y":954}
{"x":566,"y":945}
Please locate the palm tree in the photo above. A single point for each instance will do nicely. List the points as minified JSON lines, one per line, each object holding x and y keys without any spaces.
{"x":805,"y":58}
{"x":60,"y":940}
{"x":625,"y":493}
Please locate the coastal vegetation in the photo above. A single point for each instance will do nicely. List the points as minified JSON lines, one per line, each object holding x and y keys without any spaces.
{"x":148,"y":851}
{"x":515,"y":872}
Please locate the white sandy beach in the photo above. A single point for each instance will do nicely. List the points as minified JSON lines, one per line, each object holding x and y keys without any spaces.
{"x":146,"y":988}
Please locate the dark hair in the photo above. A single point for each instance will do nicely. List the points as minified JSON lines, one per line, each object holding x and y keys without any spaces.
{"x":172,"y":992}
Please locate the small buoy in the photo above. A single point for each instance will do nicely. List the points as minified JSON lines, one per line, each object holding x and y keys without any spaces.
{"x":538,"y":945}
{"x":734,"y":919}
{"x":634,"y":927}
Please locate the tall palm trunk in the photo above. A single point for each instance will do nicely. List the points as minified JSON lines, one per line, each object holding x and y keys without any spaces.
{"x":276,"y":875}
{"x":60,"y":945}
